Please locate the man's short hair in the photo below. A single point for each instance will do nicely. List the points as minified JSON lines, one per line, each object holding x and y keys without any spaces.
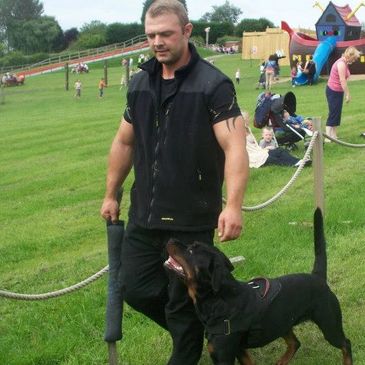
{"x":159,"y":7}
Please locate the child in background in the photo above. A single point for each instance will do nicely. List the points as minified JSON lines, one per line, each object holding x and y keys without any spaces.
{"x":299,"y":68}
{"x":293,"y":74}
{"x":267,"y":141}
{"x":299,"y":122}
{"x":78,"y":87}
{"x":261,"y":81}
{"x":238,"y":76}
{"x":102,"y":84}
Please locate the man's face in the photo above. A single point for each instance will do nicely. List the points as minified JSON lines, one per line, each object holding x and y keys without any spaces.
{"x":167,"y":38}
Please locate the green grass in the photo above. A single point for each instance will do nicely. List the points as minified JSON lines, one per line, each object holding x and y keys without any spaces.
{"x":53,"y":151}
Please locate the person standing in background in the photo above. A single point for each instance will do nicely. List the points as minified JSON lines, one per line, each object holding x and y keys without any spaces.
{"x":78,"y":87}
{"x":337,"y":90}
{"x":270,"y":67}
{"x":238,"y":76}
{"x":102,"y":85}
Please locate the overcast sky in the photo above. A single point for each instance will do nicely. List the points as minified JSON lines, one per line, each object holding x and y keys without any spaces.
{"x":75,"y":13}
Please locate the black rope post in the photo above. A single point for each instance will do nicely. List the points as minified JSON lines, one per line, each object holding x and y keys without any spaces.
{"x":106,"y":72}
{"x":114,"y":308}
{"x":318,"y":166}
{"x":66,"y":76}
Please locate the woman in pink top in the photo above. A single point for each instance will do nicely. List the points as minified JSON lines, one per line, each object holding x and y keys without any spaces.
{"x":337,"y":89}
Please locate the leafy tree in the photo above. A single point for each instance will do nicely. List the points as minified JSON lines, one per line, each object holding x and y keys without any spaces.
{"x":226,"y":13}
{"x":92,"y":35}
{"x":94,"y":27}
{"x":217,"y":30}
{"x":2,"y":49}
{"x":118,"y":32}
{"x":37,"y":35}
{"x":70,"y":35}
{"x":14,"y":11}
{"x":148,"y":3}
{"x":253,"y":25}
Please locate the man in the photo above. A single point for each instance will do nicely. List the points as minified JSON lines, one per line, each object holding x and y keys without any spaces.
{"x":183,"y":132}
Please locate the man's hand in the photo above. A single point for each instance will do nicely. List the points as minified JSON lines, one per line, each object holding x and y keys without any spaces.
{"x":230,"y":224}
{"x":347,"y":98}
{"x":110,"y":210}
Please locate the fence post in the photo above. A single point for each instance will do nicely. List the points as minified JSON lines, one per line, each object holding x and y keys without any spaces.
{"x":2,"y":94}
{"x":318,"y":165}
{"x":66,"y":75}
{"x":106,"y":72}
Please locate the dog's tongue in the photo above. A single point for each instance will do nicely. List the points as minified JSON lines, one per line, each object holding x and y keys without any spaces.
{"x":172,"y":264}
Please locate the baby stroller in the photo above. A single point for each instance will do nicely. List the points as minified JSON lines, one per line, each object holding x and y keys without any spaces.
{"x":286,"y":133}
{"x":269,"y":112}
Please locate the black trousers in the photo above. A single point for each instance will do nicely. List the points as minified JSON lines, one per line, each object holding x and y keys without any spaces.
{"x":279,"y":156}
{"x":159,"y":294}
{"x":335,"y":102}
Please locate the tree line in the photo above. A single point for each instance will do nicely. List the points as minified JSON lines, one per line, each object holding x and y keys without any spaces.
{"x":25,"y":29}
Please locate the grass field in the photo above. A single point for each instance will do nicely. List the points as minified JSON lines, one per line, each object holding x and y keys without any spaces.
{"x":53,"y":151}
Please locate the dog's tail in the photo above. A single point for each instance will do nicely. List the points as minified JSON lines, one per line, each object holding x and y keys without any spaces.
{"x":320,"y":261}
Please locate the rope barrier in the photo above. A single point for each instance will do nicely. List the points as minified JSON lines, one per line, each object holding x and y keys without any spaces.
{"x":289,"y":184}
{"x":89,"y":280}
{"x":57,"y":293}
{"x":343,"y":143}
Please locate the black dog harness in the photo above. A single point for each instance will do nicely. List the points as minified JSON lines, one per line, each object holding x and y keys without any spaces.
{"x":265,"y":291}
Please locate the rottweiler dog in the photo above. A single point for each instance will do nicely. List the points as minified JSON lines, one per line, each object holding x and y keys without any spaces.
{"x":242,"y":315}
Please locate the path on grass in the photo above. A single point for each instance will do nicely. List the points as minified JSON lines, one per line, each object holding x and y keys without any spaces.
{"x":119,"y":52}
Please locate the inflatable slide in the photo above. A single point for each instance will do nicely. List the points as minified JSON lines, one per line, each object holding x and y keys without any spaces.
{"x":320,"y":57}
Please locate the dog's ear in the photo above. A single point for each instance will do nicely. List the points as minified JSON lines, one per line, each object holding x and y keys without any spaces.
{"x":216,"y":277}
{"x":219,"y":265}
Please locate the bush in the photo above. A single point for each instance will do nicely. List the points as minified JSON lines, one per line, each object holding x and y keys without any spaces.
{"x":118,"y":32}
{"x":87,"y":41}
{"x":228,"y":38}
{"x":216,"y":30}
{"x":17,"y":58}
{"x":198,"y":40}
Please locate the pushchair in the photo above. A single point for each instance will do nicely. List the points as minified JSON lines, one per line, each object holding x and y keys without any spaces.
{"x":287,"y":132}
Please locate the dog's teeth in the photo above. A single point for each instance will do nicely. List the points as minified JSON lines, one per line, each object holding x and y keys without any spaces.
{"x":171,"y":262}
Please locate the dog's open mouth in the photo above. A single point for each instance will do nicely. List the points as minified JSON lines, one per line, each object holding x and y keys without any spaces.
{"x":172,"y":264}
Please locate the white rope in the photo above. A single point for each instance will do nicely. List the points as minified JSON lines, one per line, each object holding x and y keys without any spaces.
{"x":343,"y":143}
{"x":289,"y":184}
{"x":57,"y":293}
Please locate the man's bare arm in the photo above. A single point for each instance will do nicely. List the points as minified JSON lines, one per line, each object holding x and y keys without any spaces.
{"x":119,"y":166}
{"x":231,"y":137}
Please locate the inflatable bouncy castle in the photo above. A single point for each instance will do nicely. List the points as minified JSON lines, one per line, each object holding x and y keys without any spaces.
{"x":336,"y":29}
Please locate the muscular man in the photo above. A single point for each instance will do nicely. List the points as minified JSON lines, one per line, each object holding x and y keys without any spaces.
{"x":183,"y":133}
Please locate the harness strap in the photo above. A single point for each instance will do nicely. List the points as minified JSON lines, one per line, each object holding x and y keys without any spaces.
{"x":266,"y":290}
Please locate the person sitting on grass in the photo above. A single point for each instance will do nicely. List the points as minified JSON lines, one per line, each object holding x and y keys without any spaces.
{"x":258,"y":156}
{"x":267,"y":141}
